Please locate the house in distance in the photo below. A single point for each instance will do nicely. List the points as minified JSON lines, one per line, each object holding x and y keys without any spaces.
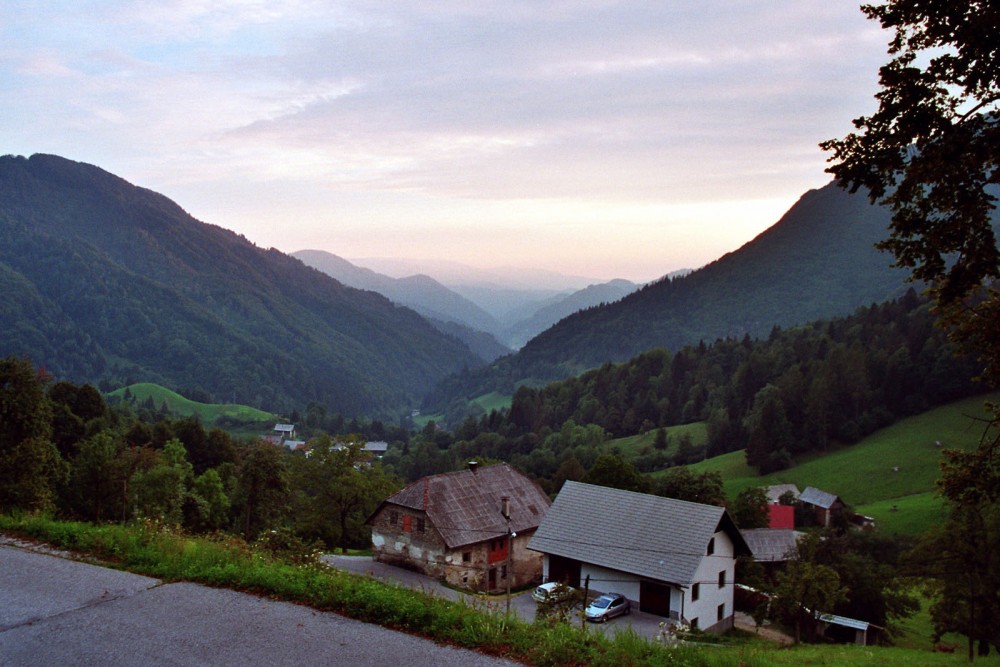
{"x":469,"y":528}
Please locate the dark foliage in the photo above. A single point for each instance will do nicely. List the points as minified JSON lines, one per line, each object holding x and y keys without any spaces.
{"x":800,"y":390}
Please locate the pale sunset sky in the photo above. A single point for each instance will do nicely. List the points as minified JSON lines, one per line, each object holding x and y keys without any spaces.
{"x":594,"y":138}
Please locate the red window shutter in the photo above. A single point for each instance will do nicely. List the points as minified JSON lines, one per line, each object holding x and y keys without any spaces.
{"x":407,"y":523}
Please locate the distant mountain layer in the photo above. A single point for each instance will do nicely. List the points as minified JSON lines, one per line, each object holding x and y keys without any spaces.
{"x":437,"y":303}
{"x":538,"y":311}
{"x":817,"y":262}
{"x":562,"y":306}
{"x":104,"y":281}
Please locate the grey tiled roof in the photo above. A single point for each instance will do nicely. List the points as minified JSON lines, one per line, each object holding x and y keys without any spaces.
{"x":660,"y":538}
{"x":814,"y":496}
{"x":776,"y":491}
{"x":465,"y":506}
{"x":771,"y":545}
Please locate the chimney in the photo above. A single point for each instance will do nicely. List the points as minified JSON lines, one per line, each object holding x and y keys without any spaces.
{"x":505,"y":507}
{"x":473,"y":465}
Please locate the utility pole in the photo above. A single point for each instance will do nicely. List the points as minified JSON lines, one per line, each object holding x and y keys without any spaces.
{"x":505,"y":511}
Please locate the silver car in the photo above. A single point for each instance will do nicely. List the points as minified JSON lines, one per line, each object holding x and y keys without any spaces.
{"x":608,"y":606}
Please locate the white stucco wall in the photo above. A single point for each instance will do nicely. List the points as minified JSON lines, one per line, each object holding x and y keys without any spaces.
{"x":705,"y":609}
{"x":603,"y":580}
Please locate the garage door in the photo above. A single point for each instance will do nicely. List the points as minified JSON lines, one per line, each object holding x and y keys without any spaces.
{"x":654,"y":598}
{"x":565,"y":570}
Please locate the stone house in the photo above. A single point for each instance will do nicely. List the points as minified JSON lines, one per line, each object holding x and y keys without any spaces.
{"x":468,"y":528}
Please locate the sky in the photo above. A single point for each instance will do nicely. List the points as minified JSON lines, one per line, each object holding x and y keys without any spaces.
{"x":593,"y":138}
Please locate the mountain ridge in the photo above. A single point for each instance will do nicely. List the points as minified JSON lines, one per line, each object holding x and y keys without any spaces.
{"x":142,"y":289}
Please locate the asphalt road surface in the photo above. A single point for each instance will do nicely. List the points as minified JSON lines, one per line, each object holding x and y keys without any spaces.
{"x":56,"y":611}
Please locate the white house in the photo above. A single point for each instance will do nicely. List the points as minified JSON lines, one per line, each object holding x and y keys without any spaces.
{"x":670,"y":557}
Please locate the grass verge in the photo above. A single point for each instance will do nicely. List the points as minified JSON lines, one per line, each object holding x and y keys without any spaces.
{"x":227,"y":562}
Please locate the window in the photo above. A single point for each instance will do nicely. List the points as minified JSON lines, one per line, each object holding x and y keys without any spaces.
{"x":711,"y":546}
{"x":695,"y":590}
{"x":420,"y":525}
{"x":694,"y":623}
{"x":503,"y":572}
{"x":393,"y":518}
{"x":722,"y":611}
{"x":466,"y":556}
{"x":722,"y":579}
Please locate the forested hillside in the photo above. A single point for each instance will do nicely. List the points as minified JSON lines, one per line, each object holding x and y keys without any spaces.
{"x":105,"y":282}
{"x":800,"y":390}
{"x":818,"y":261}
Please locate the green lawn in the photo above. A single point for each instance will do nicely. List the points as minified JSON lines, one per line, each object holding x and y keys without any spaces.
{"x":895,"y":466}
{"x":177,"y":404}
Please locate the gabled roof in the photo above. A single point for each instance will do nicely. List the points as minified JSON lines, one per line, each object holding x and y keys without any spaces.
{"x":465,"y":506}
{"x":775,"y":491}
{"x":814,"y":496}
{"x":772,"y":546}
{"x":660,"y":538}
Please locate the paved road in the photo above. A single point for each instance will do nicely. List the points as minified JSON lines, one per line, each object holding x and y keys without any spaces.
{"x":645,"y":625}
{"x":55,"y":611}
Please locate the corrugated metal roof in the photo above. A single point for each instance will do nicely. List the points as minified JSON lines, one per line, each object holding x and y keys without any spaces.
{"x":844,"y":621}
{"x":814,"y":496}
{"x":660,"y":538}
{"x":770,"y":545}
{"x":465,"y":507}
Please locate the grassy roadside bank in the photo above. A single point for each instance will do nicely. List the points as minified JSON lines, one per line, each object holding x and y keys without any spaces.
{"x":228,"y":562}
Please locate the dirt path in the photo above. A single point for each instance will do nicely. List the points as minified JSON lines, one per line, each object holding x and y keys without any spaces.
{"x":745,"y":622}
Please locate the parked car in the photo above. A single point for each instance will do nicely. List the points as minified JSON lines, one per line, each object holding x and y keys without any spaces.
{"x":608,"y":606}
{"x":553,"y":592}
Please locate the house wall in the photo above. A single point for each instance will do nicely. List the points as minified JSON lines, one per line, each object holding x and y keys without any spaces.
{"x":711,"y":595}
{"x":467,"y":566}
{"x":603,"y":580}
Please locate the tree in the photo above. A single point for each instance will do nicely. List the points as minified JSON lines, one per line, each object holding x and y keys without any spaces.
{"x":807,"y":587}
{"x":95,"y":481}
{"x":208,"y":503}
{"x":337,"y":488}
{"x":963,"y":554}
{"x":31,"y":468}
{"x":261,"y":488}
{"x":769,"y":432}
{"x":749,"y":509}
{"x":162,"y":490}
{"x":931,"y":152}
{"x":682,"y":484}
{"x":614,"y":471}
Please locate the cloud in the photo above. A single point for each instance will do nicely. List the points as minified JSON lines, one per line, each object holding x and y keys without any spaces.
{"x":608,"y":104}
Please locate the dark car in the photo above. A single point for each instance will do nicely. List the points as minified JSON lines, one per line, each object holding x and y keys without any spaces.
{"x":607,"y":607}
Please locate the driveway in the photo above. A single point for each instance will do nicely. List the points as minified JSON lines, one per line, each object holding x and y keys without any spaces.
{"x":56,"y":611}
{"x":521,"y":604}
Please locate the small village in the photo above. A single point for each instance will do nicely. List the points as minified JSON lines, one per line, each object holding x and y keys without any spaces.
{"x":490,"y":530}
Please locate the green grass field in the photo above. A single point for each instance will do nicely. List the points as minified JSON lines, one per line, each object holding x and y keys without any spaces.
{"x":632,"y":445}
{"x":896,"y":466}
{"x":493,"y":401}
{"x":177,"y":404}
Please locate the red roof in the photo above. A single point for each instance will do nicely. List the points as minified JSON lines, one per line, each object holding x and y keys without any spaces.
{"x":782,"y":516}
